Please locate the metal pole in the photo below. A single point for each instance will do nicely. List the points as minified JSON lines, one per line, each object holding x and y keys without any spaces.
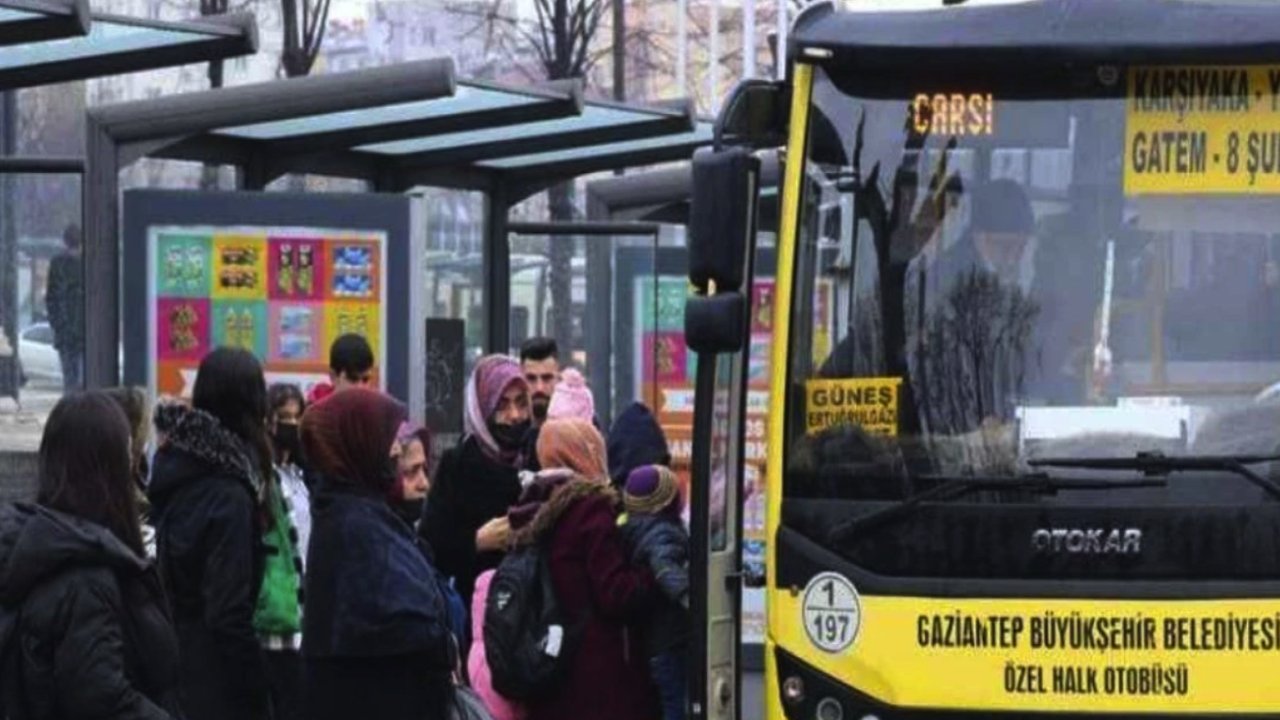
{"x":748,"y":39}
{"x":9,"y":234}
{"x":682,"y":47}
{"x":497,"y":270}
{"x":781,"y":58}
{"x":619,"y":51}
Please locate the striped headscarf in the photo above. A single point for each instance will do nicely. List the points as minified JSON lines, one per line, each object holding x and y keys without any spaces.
{"x":493,"y":376}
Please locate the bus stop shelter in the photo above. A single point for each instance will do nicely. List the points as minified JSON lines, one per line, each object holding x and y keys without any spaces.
{"x":396,"y":128}
{"x":53,"y":41}
{"x":45,"y":42}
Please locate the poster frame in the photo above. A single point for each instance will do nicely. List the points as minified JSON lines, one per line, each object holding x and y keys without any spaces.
{"x":386,"y":215}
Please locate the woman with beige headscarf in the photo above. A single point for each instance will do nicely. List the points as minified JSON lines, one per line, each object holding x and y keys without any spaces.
{"x":573,"y":510}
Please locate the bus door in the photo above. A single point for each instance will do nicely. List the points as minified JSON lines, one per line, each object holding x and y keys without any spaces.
{"x":717,"y":322}
{"x":715,"y":530}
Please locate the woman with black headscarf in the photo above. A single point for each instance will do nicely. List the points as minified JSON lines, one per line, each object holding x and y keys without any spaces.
{"x":375,"y":641}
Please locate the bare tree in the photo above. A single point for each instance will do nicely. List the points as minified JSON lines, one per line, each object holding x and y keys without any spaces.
{"x":303,"y":24}
{"x":562,"y":39}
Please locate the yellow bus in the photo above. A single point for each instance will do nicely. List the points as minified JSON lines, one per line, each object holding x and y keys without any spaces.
{"x":1029,"y":466}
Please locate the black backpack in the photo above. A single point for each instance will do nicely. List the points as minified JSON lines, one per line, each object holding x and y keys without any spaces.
{"x":528,"y":641}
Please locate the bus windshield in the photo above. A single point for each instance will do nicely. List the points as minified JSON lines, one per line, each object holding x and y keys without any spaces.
{"x":989,"y":275}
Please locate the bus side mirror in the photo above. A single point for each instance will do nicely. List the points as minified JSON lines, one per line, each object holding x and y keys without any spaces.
{"x":715,"y":323}
{"x":722,"y":216}
{"x":722,"y":226}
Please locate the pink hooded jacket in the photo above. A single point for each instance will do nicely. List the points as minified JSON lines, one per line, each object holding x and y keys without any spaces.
{"x":478,"y":667}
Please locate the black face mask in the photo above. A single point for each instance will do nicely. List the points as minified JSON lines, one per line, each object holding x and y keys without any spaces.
{"x":287,"y":442}
{"x":510,"y":437}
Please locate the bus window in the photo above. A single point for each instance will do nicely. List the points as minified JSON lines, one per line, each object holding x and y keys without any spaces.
{"x":1003,"y":298}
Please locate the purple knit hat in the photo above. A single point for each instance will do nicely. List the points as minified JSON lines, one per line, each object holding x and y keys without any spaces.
{"x":651,"y":489}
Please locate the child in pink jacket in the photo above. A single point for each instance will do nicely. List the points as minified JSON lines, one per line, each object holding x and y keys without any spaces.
{"x":478,"y":667}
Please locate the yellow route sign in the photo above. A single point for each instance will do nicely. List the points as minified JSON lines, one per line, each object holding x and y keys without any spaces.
{"x":871,"y":403}
{"x":1200,"y":130}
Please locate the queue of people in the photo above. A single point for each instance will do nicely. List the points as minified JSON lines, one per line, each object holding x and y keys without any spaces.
{"x":307,"y":564}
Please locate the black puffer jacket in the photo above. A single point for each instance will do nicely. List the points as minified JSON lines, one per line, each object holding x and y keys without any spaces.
{"x":208,"y":541}
{"x":469,"y":490}
{"x":92,"y":636}
{"x":660,"y":543}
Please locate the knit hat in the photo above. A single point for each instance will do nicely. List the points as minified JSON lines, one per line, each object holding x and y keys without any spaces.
{"x":636,"y":439}
{"x":651,"y":489}
{"x":572,"y":398}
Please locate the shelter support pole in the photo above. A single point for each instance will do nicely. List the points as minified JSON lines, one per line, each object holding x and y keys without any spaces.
{"x":254,"y":175}
{"x":598,"y":323}
{"x":497,"y":270}
{"x":101,"y":258}
{"x":9,"y":300}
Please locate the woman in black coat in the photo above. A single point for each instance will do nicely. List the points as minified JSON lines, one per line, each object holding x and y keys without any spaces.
{"x":465,"y":520}
{"x":83,"y":627}
{"x":375,"y":638}
{"x":206,"y":485}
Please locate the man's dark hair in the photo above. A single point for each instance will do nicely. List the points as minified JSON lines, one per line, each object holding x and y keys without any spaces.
{"x":280,"y":394}
{"x":351,"y":357}
{"x":539,"y":348}
{"x":71,"y":236}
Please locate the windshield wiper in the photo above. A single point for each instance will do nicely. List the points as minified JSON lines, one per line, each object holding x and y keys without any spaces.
{"x":951,"y":487}
{"x":1157,"y":464}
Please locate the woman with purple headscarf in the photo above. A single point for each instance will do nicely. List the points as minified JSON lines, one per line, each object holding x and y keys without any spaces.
{"x":478,"y":480}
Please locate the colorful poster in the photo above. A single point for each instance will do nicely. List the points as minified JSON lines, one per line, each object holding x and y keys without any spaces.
{"x":666,"y":369}
{"x":282,"y":293}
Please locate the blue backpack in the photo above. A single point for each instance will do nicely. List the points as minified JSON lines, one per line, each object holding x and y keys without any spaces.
{"x":457,"y":610}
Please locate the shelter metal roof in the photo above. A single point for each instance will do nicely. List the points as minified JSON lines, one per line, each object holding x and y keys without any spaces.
{"x":52,"y":41}
{"x":29,"y":21}
{"x":475,"y":132}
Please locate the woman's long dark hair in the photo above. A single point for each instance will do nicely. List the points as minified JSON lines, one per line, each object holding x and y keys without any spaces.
{"x":137,"y":410}
{"x":85,"y":465}
{"x":231,"y":387}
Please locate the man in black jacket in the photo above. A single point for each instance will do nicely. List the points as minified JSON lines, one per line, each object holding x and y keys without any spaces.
{"x":64,"y":301}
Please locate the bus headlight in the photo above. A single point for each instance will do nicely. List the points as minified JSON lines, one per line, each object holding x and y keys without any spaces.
{"x":829,"y":709}
{"x":793,"y":690}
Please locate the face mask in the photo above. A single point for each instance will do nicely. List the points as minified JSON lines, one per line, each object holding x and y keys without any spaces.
{"x":509,"y":437}
{"x":287,"y":441}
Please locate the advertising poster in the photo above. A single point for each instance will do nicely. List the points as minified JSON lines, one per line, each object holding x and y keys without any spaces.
{"x":284,"y":294}
{"x":666,"y":373}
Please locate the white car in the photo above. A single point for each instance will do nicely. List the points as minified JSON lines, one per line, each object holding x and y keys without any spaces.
{"x":39,"y":359}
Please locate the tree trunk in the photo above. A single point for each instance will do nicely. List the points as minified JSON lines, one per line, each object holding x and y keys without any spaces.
{"x":561,"y":270}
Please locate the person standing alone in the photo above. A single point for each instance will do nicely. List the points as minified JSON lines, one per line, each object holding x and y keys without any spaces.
{"x":64,"y":300}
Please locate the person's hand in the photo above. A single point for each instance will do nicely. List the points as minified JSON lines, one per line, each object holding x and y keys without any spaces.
{"x":493,"y":535}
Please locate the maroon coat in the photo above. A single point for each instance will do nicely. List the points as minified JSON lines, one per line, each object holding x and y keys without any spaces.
{"x":609,"y":678}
